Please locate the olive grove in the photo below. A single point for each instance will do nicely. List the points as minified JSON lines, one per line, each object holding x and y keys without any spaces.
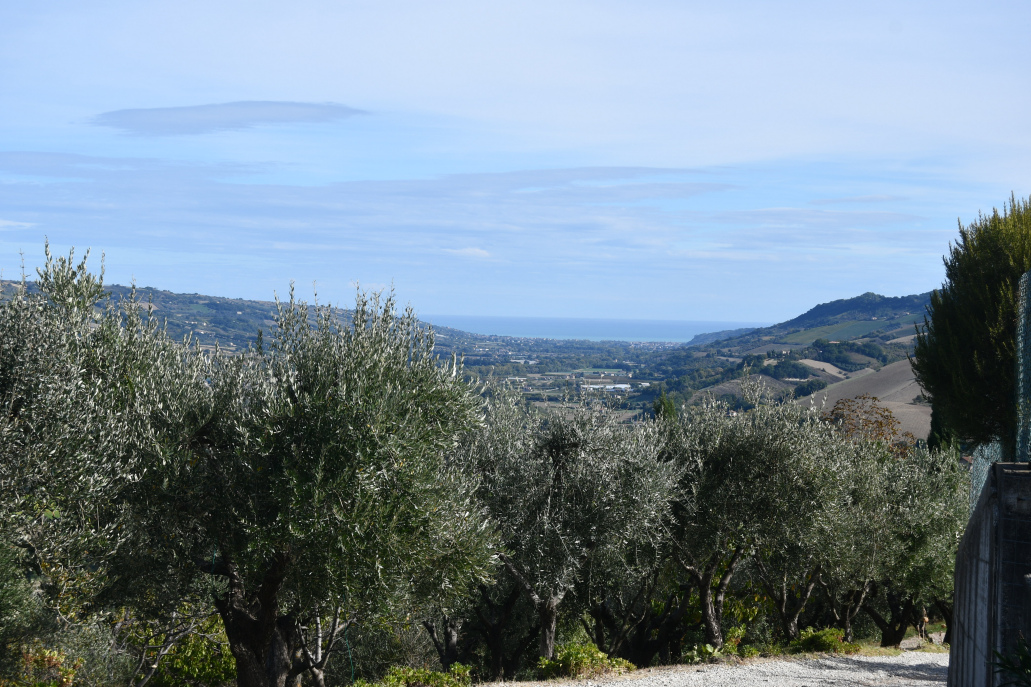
{"x":337,"y":491}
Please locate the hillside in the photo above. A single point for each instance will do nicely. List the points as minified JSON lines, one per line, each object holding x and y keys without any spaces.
{"x":231,"y":322}
{"x":867,"y":316}
{"x":869,"y":306}
{"x":895,"y":387}
{"x":845,"y":347}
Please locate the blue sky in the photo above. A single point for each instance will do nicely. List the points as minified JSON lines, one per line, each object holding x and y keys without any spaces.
{"x":735,"y":161}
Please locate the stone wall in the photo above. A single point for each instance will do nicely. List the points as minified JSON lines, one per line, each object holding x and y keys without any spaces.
{"x":993,"y":578}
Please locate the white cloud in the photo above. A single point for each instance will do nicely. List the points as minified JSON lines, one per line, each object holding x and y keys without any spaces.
{"x":585,"y":241}
{"x":10,"y":224}
{"x":857,"y":199}
{"x":469,"y":252}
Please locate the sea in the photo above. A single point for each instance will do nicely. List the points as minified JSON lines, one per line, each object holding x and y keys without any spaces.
{"x":585,"y":328}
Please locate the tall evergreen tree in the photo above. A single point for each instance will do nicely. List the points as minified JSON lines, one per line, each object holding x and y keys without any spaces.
{"x":965,"y":356}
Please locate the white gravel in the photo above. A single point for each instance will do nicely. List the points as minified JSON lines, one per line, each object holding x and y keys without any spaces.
{"x":910,"y":669}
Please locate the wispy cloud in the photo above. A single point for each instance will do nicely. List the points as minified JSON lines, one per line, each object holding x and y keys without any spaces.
{"x":856,"y":199}
{"x":203,"y":119}
{"x":570,"y":238}
{"x":468,"y":252}
{"x":6,"y":224}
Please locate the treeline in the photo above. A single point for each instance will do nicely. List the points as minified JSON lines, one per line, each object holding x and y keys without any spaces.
{"x":312,"y":510}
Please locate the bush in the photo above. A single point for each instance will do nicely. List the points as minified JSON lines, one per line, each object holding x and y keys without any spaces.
{"x":580,"y":661}
{"x":702,"y":653}
{"x":810,"y":387}
{"x":199,"y":659}
{"x":746,"y":651}
{"x":1014,"y":670}
{"x":827,"y":641}
{"x":398,"y":676}
{"x":790,"y":369}
{"x":16,"y":610}
{"x":42,"y":667}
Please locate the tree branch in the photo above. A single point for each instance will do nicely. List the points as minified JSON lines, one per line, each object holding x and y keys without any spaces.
{"x":520,"y":579}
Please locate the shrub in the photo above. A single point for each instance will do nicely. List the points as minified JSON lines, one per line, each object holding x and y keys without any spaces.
{"x":1014,"y":670}
{"x":747,"y":651}
{"x":732,"y":637}
{"x":42,"y":667}
{"x":702,"y":653}
{"x":580,"y":661}
{"x":403,"y":676}
{"x":199,"y":659}
{"x":827,"y":641}
{"x":810,"y":387}
{"x":790,"y":369}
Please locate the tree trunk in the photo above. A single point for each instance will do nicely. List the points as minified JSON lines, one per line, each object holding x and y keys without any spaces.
{"x":846,"y":610}
{"x":617,"y":622}
{"x":548,"y":612}
{"x":494,"y":621}
{"x":712,"y":618}
{"x":789,"y":604}
{"x":945,"y":608}
{"x":853,"y":605}
{"x":445,"y":641}
{"x":711,"y":599}
{"x":282,"y":664}
{"x":902,"y":614}
{"x":258,"y":638}
{"x":597,"y":631}
{"x":659,"y":633}
{"x":547,"y":607}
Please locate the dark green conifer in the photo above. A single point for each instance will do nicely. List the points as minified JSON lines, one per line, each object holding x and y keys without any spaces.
{"x":965,"y":356}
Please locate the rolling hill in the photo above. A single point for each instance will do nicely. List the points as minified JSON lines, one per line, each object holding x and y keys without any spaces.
{"x":852,"y":346}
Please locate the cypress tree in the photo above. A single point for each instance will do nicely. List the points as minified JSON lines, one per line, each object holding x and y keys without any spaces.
{"x":965,"y":355}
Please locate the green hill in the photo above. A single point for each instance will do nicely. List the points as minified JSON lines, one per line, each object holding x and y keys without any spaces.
{"x":869,"y":306}
{"x":840,"y":339}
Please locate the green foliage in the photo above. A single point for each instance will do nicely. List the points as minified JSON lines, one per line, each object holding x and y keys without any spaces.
{"x":341,"y":471}
{"x":808,"y":388}
{"x":580,"y":661}
{"x":785,"y":369}
{"x":16,"y":609}
{"x":398,"y":676}
{"x":664,"y":407}
{"x":572,"y":495}
{"x":42,"y":667}
{"x":837,"y":354}
{"x":965,"y":355}
{"x":828,"y":641}
{"x":313,"y":469}
{"x":202,"y":659}
{"x":701,"y":653}
{"x":748,"y":651}
{"x":1014,"y":669}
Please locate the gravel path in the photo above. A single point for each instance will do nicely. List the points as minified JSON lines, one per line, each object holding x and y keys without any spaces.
{"x":910,"y":669}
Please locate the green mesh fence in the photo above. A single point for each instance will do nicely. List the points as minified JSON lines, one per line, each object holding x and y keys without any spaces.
{"x":1024,"y":369}
{"x":984,"y":456}
{"x":987,"y":454}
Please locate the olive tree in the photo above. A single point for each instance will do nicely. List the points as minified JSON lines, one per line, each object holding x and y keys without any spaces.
{"x":861,"y":528}
{"x":927,"y":507}
{"x":797,"y":479}
{"x":569,"y":492}
{"x":305,"y":475}
{"x":759,"y":485}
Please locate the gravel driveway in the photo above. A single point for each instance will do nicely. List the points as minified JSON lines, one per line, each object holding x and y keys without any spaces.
{"x":910,"y":669}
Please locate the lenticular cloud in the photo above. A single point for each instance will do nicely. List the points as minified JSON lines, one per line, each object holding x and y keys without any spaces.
{"x":202,"y":119}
